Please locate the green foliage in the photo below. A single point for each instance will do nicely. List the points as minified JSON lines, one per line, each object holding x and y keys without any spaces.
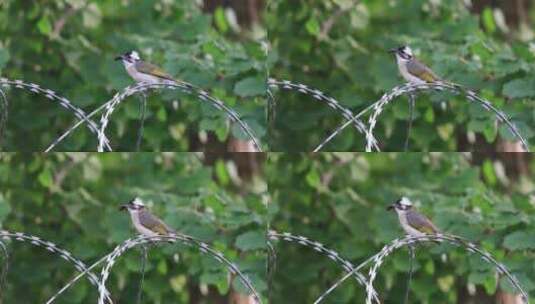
{"x":72,"y":200}
{"x":76,"y":60}
{"x":339,"y":200}
{"x":350,"y":62}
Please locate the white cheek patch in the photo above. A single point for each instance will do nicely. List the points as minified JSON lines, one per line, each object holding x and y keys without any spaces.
{"x":134,"y":55}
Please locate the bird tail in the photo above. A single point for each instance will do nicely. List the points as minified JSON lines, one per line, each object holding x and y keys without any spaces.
{"x":468,"y":92}
{"x":174,"y":233}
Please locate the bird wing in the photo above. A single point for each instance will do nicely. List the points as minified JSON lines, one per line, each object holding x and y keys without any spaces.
{"x":420,"y":222}
{"x":421,"y":71}
{"x":151,"y":69}
{"x":153,"y":223}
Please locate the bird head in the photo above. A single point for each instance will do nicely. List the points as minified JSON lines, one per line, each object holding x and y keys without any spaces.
{"x":129,"y":57}
{"x":136,"y":204}
{"x":402,"y":204}
{"x":403,"y":52}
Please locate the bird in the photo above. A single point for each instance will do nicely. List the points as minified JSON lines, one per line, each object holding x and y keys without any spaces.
{"x":414,"y":223}
{"x":142,"y":71}
{"x":144,"y":222}
{"x":412,"y":70}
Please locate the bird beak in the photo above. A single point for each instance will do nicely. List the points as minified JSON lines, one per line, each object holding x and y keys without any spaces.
{"x":390,"y":207}
{"x":119,"y":58}
{"x":393,"y":51}
{"x":123,"y":207}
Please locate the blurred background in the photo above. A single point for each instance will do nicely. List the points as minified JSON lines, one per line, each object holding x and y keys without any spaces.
{"x":339,"y":200}
{"x":72,"y":200}
{"x":340,"y":47}
{"x":69,"y":46}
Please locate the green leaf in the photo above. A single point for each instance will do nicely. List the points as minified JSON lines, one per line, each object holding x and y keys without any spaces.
{"x":488,"y":172}
{"x":221,"y":172}
{"x":520,"y":88}
{"x":220,"y":20}
{"x":44,"y":25}
{"x":161,"y":114}
{"x":251,"y":240}
{"x":312,"y":26}
{"x":488,"y":20}
{"x":520,"y":240}
{"x":45,"y":178}
{"x":313,"y":178}
{"x":250,"y":86}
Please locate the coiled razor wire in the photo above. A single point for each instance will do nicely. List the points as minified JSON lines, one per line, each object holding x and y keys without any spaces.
{"x":75,"y":279}
{"x":320,"y":248}
{"x":184,"y":87}
{"x":454,"y":240}
{"x":409,"y":88}
{"x":74,"y":127}
{"x":53,"y":248}
{"x":378,"y":260}
{"x":324,"y":295}
{"x":203,"y":248}
{"x":53,"y":96}
{"x":438,"y":86}
{"x":320,"y":96}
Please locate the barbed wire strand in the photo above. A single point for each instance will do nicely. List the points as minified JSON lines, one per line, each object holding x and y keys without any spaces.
{"x":53,"y":96}
{"x":54,"y":249}
{"x":322,"y":97}
{"x":142,"y":111}
{"x":203,"y":248}
{"x":5,"y":269}
{"x":321,"y":249}
{"x":411,"y":118}
{"x":271,"y":110}
{"x":4,"y":111}
{"x":271,"y":264}
{"x":184,"y":87}
{"x":144,"y":256}
{"x":409,"y":279}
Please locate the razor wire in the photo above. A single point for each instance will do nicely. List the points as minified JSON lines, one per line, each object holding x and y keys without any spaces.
{"x":321,"y":249}
{"x":409,"y":88}
{"x":322,"y":97}
{"x":203,"y":248}
{"x":54,"y":249}
{"x":53,"y":96}
{"x":379,"y":258}
{"x":437,"y":86}
{"x":184,"y":87}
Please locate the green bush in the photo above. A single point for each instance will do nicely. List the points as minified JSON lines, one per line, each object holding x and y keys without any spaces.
{"x":72,"y":200}
{"x":350,"y":62}
{"x":339,"y":200}
{"x":77,"y":61}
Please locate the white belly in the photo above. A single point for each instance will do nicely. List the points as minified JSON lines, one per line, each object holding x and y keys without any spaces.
{"x":405,"y":73}
{"x":140,"y":77}
{"x":408,"y":229}
{"x":140,"y":228}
